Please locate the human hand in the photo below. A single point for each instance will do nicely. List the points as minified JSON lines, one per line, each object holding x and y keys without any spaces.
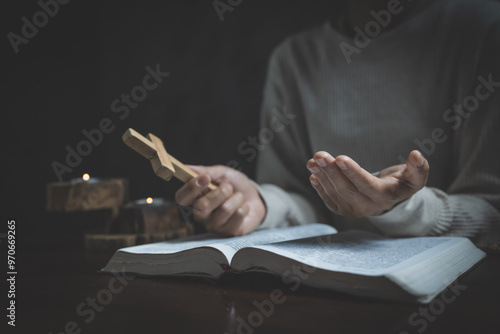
{"x":233,"y":208}
{"x":349,"y":190}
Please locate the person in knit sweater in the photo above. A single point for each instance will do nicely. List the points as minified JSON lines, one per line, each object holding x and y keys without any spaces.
{"x":384,"y":118}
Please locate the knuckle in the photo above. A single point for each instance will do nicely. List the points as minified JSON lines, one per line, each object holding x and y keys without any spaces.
{"x":226,"y":189}
{"x":239,"y":232}
{"x":367,"y":188}
{"x":240,"y":213}
{"x":179,"y":198}
{"x":391,"y":196}
{"x":226,"y":209}
{"x":350,"y":192}
{"x":222,"y":178}
{"x":212,"y":225}
{"x":390,"y":193}
{"x":183,"y":195}
{"x":330,"y":172}
{"x":201,"y":205}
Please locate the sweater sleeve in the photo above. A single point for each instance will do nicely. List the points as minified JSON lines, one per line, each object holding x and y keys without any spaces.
{"x":284,"y":151}
{"x":470,"y":206}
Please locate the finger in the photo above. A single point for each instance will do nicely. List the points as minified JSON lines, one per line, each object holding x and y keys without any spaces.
{"x":224,"y":216}
{"x":327,"y":164}
{"x":199,"y":169}
{"x":365,"y":182}
{"x":239,"y":223}
{"x":327,"y":192}
{"x":192,"y":189}
{"x":417,"y":169}
{"x":320,"y":167}
{"x":329,"y":202}
{"x":204,"y":205}
{"x":344,"y":188}
{"x":219,"y":174}
{"x":323,"y":180}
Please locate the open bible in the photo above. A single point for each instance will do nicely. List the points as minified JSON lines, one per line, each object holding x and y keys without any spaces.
{"x":354,"y":262}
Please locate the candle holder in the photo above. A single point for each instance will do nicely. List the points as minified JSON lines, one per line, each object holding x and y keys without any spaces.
{"x":149,"y":215}
{"x":97,"y":206}
{"x":82,"y":195}
{"x":141,"y":221}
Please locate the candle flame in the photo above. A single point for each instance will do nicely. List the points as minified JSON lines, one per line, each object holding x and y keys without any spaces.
{"x":149,"y":200}
{"x":86,"y":177}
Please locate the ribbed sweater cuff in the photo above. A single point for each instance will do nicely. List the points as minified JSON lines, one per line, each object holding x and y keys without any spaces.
{"x":284,"y":208}
{"x":425,"y":213}
{"x":276,"y":210}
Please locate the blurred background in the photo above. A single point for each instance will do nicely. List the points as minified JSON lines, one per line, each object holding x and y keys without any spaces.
{"x":64,"y":80}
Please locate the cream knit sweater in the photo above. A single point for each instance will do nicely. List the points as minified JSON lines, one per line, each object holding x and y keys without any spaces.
{"x":432,"y":83}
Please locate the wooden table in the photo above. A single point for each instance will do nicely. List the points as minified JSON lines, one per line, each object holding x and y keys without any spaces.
{"x":56,"y":286}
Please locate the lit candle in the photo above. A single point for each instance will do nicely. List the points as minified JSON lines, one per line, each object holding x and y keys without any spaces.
{"x":86,"y":179}
{"x":151,"y":217}
{"x":150,"y":201}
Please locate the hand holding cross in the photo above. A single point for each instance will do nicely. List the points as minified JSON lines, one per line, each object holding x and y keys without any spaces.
{"x":164,"y":165}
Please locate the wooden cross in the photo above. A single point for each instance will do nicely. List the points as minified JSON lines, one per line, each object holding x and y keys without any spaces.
{"x":164,"y":165}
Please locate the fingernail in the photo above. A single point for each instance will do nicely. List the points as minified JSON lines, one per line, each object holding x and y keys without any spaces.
{"x":202,"y":181}
{"x":422,"y":159}
{"x":342,"y":165}
{"x":321,"y":162}
{"x":419,"y":159}
{"x":314,"y":182}
{"x":314,"y":170}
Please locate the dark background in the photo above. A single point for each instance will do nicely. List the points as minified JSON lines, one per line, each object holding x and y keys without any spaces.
{"x":64,"y":80}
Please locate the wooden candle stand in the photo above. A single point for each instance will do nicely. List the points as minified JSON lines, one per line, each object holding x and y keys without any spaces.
{"x":80,"y":195}
{"x":132,"y":223}
{"x":140,"y":222}
{"x":94,"y":203}
{"x":142,"y":217}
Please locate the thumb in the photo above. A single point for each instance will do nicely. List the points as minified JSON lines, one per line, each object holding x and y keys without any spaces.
{"x":417,"y":170}
{"x":198,"y":169}
{"x":217,"y":173}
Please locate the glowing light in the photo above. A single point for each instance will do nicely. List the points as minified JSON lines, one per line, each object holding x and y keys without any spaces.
{"x":86,"y":177}
{"x":149,"y":200}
